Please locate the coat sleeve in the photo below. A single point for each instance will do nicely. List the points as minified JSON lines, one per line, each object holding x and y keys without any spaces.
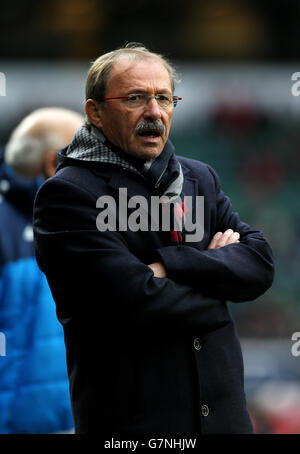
{"x":237,"y":272}
{"x":86,"y":268}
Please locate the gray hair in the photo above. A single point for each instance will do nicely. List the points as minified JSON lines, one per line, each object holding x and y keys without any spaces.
{"x":25,"y":153}
{"x":97,"y":79}
{"x":45,"y":130}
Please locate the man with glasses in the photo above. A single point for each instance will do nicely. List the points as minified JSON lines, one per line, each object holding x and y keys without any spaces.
{"x":151,"y":346}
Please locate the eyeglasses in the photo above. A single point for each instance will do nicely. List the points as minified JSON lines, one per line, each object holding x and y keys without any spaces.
{"x":142,"y":99}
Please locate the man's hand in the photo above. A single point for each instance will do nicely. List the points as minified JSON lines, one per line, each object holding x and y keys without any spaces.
{"x":158,"y":269}
{"x":223,"y":239}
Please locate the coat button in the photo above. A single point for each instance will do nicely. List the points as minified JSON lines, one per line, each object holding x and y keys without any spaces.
{"x":197,"y":343}
{"x":204,"y":410}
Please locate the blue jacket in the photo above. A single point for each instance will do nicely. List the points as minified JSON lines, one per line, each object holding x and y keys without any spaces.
{"x":148,"y":355}
{"x":34,"y":393}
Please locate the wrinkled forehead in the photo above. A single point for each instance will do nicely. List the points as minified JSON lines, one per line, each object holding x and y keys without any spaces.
{"x":127,"y":73}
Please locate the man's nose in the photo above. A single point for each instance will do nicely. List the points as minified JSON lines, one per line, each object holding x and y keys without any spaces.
{"x":152,"y":109}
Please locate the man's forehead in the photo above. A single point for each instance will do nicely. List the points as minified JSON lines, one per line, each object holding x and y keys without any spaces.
{"x":128,"y":71}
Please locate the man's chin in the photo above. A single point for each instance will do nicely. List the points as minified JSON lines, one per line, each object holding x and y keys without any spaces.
{"x":149,"y":152}
{"x":149,"y":149}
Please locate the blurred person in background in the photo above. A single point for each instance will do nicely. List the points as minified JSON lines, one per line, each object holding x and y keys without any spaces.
{"x":34,"y":392}
{"x":151,"y":345}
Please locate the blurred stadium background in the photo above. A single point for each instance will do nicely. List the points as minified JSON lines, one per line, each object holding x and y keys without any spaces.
{"x":236,"y":60}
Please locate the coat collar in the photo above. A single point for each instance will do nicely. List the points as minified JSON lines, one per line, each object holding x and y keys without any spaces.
{"x":117,"y":178}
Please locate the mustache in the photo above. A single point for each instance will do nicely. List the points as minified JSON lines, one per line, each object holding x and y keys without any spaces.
{"x":156,"y":125}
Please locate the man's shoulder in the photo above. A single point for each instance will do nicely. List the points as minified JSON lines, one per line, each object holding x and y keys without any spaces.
{"x":82,"y":178}
{"x":196,"y":169}
{"x":79,"y":175}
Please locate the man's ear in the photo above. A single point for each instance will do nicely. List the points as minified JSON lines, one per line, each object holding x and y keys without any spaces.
{"x":50,"y":163}
{"x":92,"y":112}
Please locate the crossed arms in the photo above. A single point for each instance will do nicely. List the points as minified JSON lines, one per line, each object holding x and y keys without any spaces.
{"x":76,"y":257}
{"x":219,"y":240}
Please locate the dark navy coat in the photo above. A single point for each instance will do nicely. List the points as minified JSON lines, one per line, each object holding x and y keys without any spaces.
{"x":145,"y":354}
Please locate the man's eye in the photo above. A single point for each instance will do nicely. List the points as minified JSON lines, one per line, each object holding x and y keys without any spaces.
{"x":162,"y":98}
{"x":133,"y":98}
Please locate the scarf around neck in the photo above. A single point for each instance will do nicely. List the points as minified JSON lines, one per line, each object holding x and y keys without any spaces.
{"x":164,"y":173}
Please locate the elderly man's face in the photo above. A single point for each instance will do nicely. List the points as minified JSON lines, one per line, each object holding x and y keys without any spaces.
{"x":119,"y":120}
